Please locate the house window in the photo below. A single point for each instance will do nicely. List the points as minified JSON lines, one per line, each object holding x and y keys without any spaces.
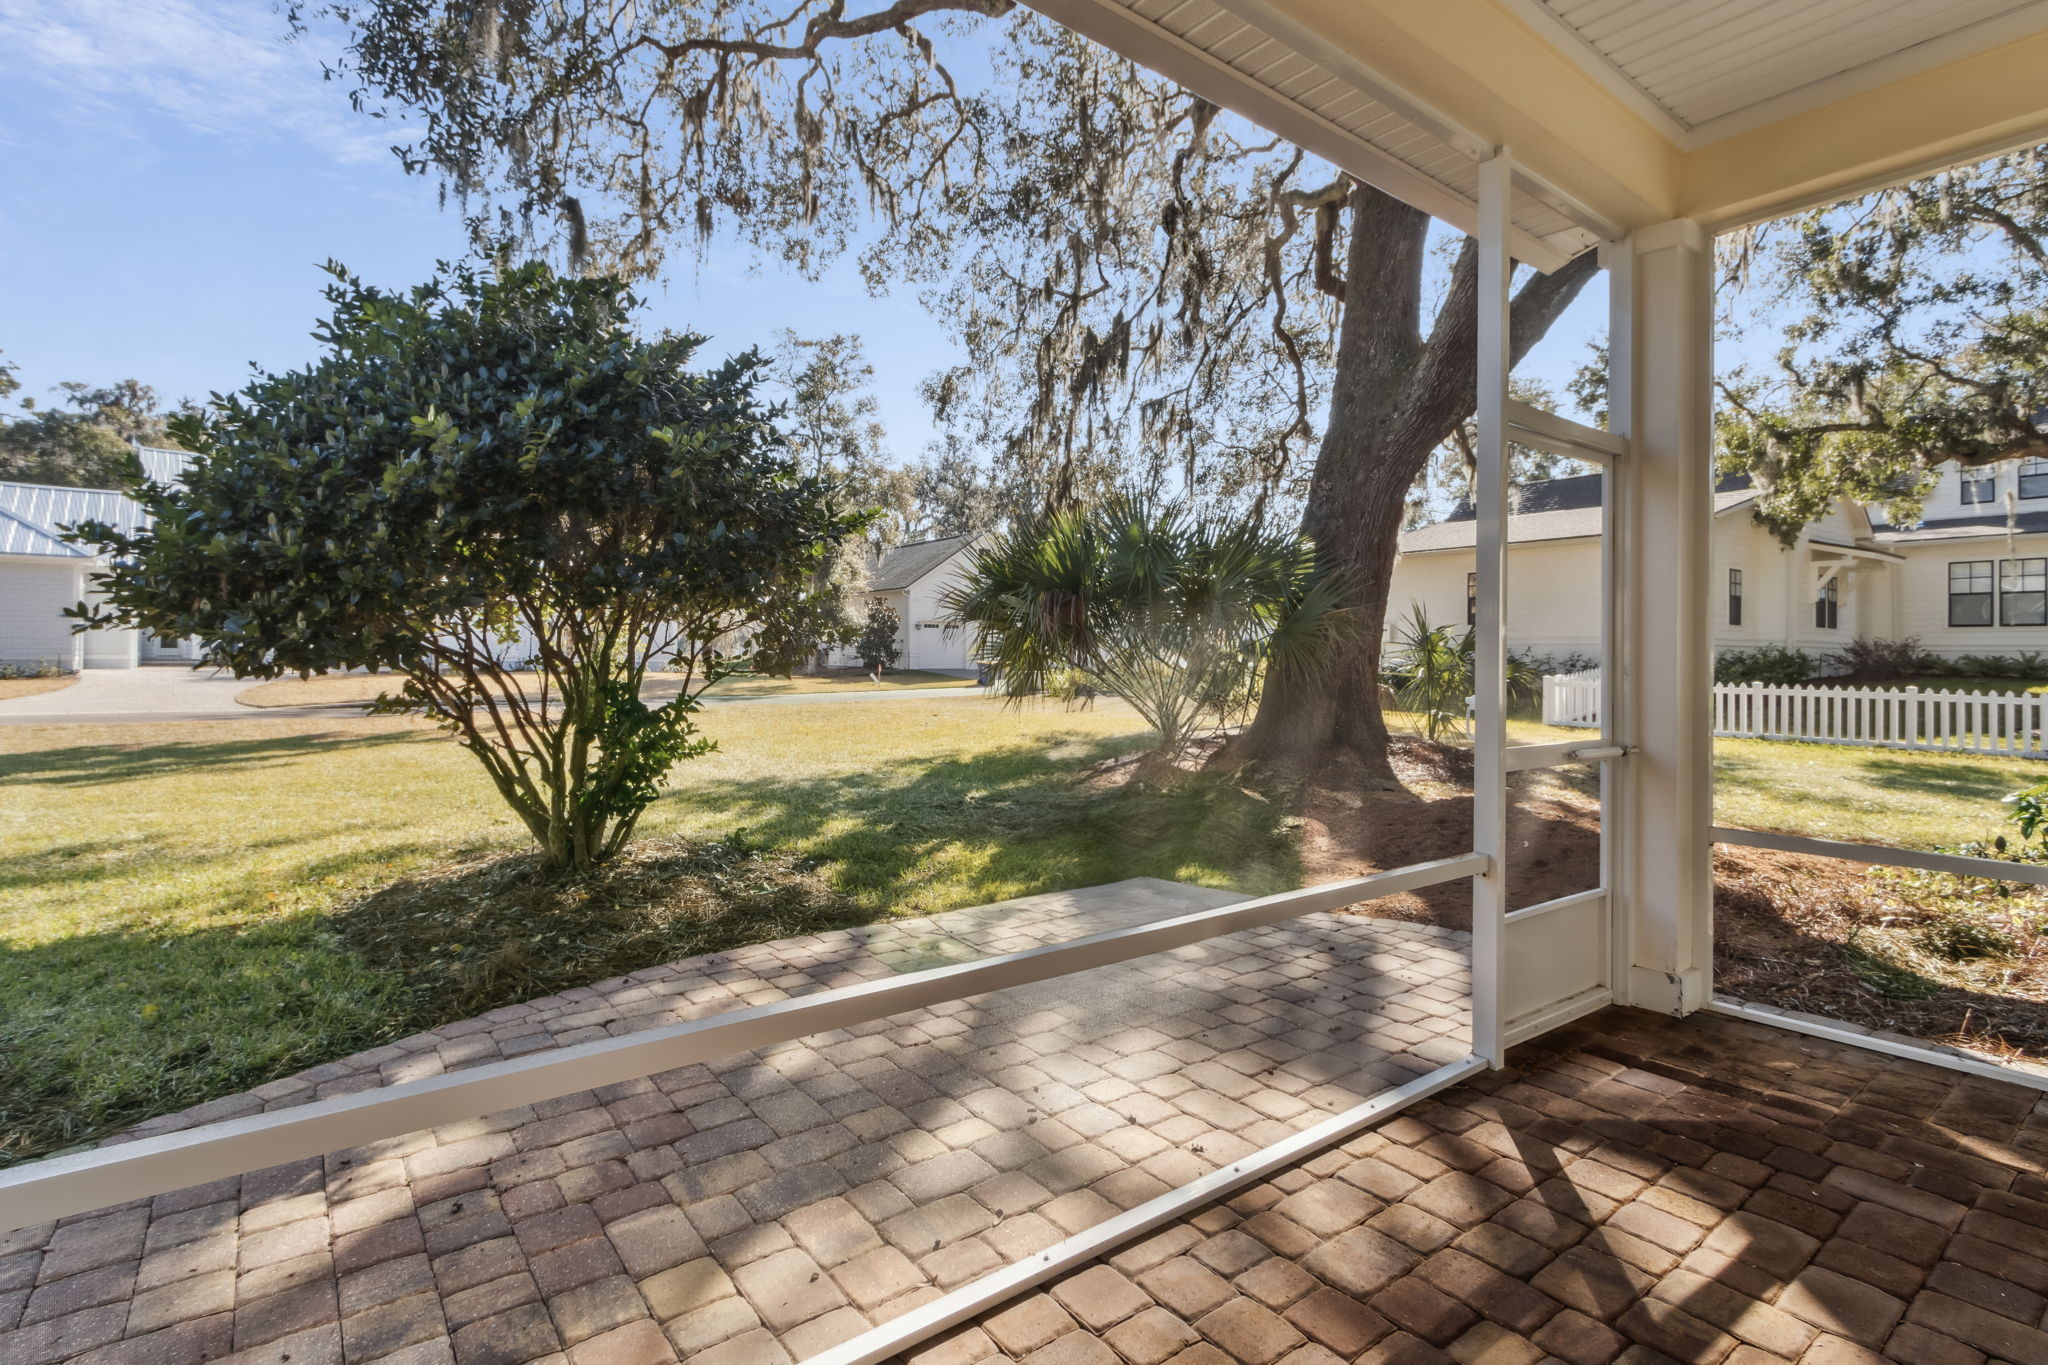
{"x":2023,"y":592}
{"x":1472,"y":599}
{"x":1827,"y":607}
{"x":2034,"y":478}
{"x":1735,"y":597}
{"x":1980,"y":487}
{"x":1969,"y":593}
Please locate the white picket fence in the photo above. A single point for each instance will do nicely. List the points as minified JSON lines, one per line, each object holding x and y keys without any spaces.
{"x":2011,"y":723}
{"x":1572,"y":698}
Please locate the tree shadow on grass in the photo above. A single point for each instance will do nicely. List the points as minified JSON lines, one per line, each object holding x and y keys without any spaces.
{"x":1956,"y":779}
{"x":101,"y":764}
{"x":1006,"y":822}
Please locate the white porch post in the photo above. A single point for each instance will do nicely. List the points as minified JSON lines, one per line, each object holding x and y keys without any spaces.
{"x":1489,"y":632}
{"x":1663,"y":354}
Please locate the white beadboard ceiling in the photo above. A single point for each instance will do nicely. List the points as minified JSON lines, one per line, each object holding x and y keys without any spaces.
{"x":1248,"y":58}
{"x":1714,"y":68}
{"x":1695,"y":70}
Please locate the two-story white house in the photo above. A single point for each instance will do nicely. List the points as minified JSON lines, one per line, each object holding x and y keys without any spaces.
{"x":41,"y":573}
{"x":1970,"y":577}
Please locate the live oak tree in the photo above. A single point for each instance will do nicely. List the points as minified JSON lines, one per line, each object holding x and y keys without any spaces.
{"x":83,"y":440}
{"x":488,"y":466}
{"x":1920,"y":335}
{"x":1150,"y":292}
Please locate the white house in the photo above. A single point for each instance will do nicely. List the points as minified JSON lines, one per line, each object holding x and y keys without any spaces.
{"x":913,"y":579}
{"x":1970,"y":577}
{"x":41,"y":574}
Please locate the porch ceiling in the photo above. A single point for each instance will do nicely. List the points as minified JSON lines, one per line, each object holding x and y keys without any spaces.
{"x":1620,"y":113}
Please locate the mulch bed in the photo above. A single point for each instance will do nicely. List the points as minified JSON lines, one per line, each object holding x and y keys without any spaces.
{"x":1935,"y":957}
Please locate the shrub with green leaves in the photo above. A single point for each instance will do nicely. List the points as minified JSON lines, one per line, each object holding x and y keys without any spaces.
{"x":878,"y":645}
{"x":1880,"y":659}
{"x":1773,"y":664}
{"x":488,"y":464}
{"x":1433,"y":671}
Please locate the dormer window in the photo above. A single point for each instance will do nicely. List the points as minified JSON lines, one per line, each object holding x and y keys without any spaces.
{"x":1980,"y":486}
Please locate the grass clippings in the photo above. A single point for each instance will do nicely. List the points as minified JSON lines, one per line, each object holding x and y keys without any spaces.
{"x":469,"y":936}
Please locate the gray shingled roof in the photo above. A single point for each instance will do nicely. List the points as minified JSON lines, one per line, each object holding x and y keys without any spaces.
{"x":1553,"y":509}
{"x":1989,"y":526}
{"x":905,"y":564}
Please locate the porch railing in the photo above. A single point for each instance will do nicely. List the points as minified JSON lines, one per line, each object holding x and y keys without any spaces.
{"x":2007,"y":723}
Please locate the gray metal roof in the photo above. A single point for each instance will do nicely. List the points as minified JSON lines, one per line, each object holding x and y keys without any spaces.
{"x":33,"y":517}
{"x":1551,"y":509}
{"x":903,"y":565}
{"x":163,"y":464}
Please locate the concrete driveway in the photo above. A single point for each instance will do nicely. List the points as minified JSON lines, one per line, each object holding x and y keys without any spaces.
{"x":164,"y":692}
{"x":167,"y":693}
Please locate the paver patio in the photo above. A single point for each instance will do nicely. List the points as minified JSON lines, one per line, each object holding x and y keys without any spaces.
{"x":769,"y":1202}
{"x":1631,"y":1188}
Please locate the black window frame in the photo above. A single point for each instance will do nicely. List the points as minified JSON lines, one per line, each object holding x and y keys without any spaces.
{"x":2010,"y":569}
{"x":1472,"y":598}
{"x":1979,"y":489}
{"x":1827,"y":605}
{"x":1735,"y":597}
{"x":2033,"y":471}
{"x":1988,"y":593}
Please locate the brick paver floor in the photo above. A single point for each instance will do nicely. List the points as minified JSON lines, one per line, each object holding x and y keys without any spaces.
{"x":769,"y":1204}
{"x":1632,"y":1188}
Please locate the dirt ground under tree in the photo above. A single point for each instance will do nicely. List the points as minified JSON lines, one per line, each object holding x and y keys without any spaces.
{"x":1944,"y":958}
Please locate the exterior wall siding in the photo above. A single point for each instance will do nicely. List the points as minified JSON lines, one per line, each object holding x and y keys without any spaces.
{"x":1922,"y":588}
{"x":1553,"y":594}
{"x":33,"y":595}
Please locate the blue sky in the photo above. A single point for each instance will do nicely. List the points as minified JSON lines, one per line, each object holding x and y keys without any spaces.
{"x":176,"y":172}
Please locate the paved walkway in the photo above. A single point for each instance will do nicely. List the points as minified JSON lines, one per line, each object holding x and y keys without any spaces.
{"x":770,"y":1204}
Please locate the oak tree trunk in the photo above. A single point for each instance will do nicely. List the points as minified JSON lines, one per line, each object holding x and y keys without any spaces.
{"x":1396,"y":395}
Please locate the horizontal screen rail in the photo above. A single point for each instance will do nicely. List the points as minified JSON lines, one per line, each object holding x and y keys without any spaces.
{"x":1522,"y":757}
{"x":1561,"y":903}
{"x":58,"y":1186}
{"x":1533,"y":426}
{"x":1996,"y":869}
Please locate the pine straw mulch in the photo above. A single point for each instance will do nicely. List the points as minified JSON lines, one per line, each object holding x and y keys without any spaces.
{"x":1931,"y":956}
{"x":499,"y":928}
{"x":1923,"y":954}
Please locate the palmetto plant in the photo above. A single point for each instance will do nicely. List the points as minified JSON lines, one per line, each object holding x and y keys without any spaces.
{"x":1435,"y":666}
{"x":1435,"y":669}
{"x":1176,"y":613}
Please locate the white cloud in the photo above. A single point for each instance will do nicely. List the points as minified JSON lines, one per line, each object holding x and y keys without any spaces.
{"x":224,"y":69}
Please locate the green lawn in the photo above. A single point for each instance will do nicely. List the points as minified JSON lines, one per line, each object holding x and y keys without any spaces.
{"x":1882,"y":796}
{"x":165,"y":890}
{"x":752,"y":685}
